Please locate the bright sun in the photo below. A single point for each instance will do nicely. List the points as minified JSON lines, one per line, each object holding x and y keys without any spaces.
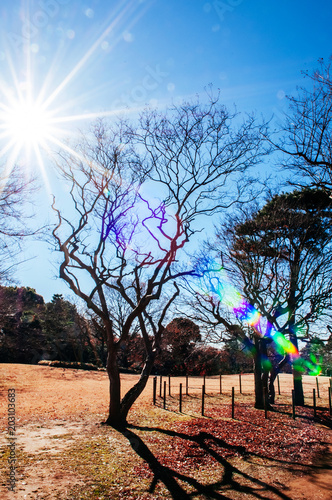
{"x":27,"y":124}
{"x":38,"y":120}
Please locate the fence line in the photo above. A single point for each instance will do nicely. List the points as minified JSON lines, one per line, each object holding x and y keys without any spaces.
{"x":214,"y":387}
{"x":242,"y":383}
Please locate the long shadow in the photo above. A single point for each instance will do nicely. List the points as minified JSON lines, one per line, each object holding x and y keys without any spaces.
{"x":322,"y":417}
{"x":196,"y":439}
{"x":160,"y":472}
{"x":205,"y":441}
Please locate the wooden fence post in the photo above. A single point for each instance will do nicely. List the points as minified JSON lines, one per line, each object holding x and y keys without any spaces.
{"x":180,"y":399}
{"x":293,"y":404}
{"x":232,"y":402}
{"x":314,"y":401}
{"x":164,"y":394}
{"x":154,"y":389}
{"x":203,"y":395}
{"x":317,"y":387}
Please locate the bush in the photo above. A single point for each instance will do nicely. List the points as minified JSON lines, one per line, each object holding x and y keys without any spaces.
{"x":74,"y":364}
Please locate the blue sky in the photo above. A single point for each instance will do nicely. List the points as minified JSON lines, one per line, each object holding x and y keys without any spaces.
{"x":99,"y":57}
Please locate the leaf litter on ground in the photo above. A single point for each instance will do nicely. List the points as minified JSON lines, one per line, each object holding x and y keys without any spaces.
{"x":190,"y":444}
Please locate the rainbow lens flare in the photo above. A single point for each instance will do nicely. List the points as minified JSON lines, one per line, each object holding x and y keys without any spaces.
{"x":246,"y":312}
{"x":215,"y":283}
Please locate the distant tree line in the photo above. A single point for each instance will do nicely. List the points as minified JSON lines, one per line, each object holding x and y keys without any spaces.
{"x":32,"y":330}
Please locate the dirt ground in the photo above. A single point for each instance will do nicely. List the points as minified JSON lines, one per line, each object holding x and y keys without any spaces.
{"x":58,"y":413}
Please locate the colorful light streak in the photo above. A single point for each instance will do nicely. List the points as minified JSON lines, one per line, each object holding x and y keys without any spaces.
{"x":216,"y":283}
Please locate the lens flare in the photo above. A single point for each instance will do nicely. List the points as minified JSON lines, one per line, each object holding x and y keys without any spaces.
{"x":266,"y":364}
{"x":283,"y":345}
{"x":314,"y":366}
{"x":215,"y":282}
{"x":246,"y":312}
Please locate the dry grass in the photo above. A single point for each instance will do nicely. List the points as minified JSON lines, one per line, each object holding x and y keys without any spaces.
{"x":64,"y":453}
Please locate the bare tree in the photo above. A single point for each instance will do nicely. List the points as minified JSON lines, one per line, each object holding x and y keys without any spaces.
{"x":137,"y":193}
{"x":14,"y":190}
{"x":281,"y":255}
{"x":307,"y":131}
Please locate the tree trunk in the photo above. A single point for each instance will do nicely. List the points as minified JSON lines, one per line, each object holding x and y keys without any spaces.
{"x":297,"y":377}
{"x":297,"y":374}
{"x":118,"y":410}
{"x":133,"y":393}
{"x":265,"y":367}
{"x":114,"y":417}
{"x":271,"y":390}
{"x":298,"y":387}
{"x":259,"y":401}
{"x":273,"y":375}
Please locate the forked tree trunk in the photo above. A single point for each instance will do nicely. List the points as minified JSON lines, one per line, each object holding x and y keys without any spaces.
{"x":264,"y":378}
{"x":133,"y":393}
{"x":273,"y":375}
{"x":119,"y":409}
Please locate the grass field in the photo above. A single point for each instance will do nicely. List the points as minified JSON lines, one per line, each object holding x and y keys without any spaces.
{"x":63,"y":452}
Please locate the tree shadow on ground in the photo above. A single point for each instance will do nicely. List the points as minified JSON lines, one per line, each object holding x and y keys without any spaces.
{"x":322,"y":416}
{"x":232,"y":478}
